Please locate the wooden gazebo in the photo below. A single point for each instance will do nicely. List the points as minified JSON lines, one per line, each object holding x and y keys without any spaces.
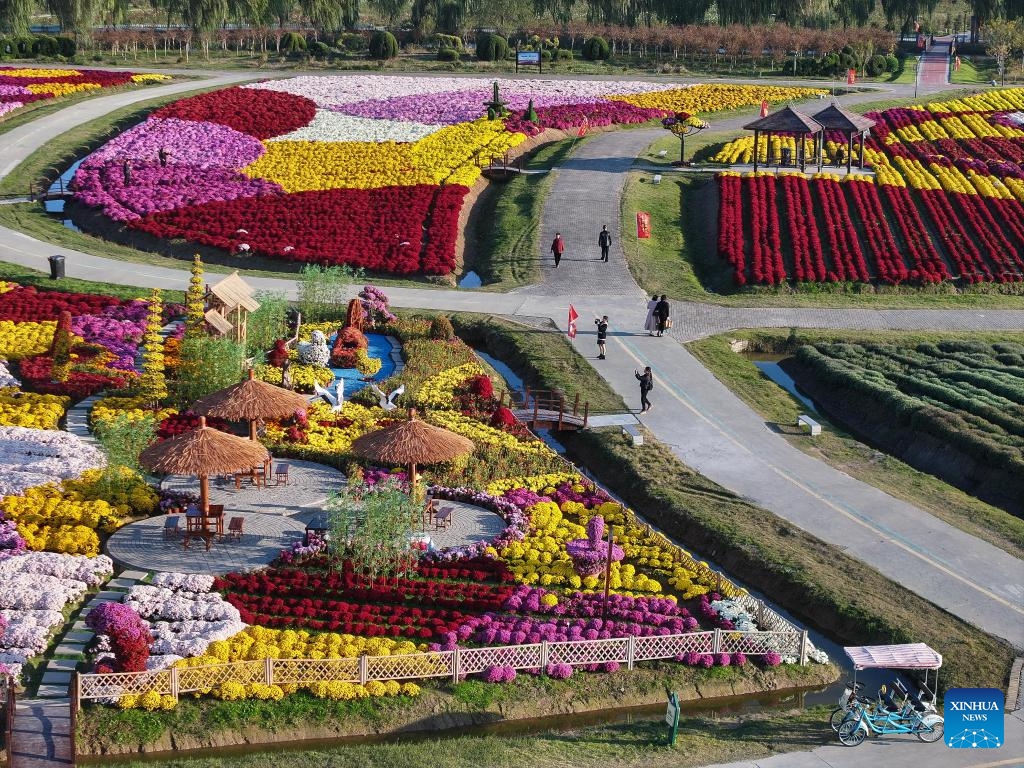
{"x":850,"y":124}
{"x":788,"y":121}
{"x":229,"y":303}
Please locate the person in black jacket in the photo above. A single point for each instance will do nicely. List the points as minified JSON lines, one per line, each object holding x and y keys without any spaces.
{"x":602,"y":335}
{"x":646,"y":380}
{"x":662,"y":313}
{"x":605,"y":241}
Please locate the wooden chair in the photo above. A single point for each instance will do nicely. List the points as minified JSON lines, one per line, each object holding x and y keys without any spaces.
{"x":443,"y":518}
{"x":172,"y":526}
{"x":216,"y":514}
{"x":235,"y":526}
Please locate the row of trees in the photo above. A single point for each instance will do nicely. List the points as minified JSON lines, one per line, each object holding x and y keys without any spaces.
{"x":454,"y":16}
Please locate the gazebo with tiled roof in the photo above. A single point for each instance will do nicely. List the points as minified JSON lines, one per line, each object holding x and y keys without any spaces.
{"x":788,"y":121}
{"x":850,"y":124}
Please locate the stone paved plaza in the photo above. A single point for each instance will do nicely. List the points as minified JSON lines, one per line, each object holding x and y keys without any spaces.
{"x":273,"y":517}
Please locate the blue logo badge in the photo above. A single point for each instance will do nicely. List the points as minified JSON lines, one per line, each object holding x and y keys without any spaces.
{"x":974,"y":718}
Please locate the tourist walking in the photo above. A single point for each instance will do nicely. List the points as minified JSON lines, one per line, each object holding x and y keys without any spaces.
{"x":605,"y":241}
{"x":646,"y":380}
{"x":651,"y":323}
{"x":602,"y":335}
{"x":661,"y":311}
{"x":558,"y":248}
{"x":126,"y":168}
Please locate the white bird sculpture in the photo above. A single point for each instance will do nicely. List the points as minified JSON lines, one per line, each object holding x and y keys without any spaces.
{"x":335,"y":399}
{"x":387,"y":402}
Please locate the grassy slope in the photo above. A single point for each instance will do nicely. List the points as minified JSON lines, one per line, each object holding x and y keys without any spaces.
{"x":845,"y":452}
{"x":701,"y":741}
{"x":507,"y":223}
{"x":800,"y":572}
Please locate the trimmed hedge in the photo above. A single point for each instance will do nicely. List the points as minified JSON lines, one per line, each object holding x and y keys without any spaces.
{"x":491,"y":48}
{"x":596,"y":49}
{"x":383,"y":46}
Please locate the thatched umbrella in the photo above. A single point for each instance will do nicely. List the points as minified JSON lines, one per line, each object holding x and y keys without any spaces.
{"x":250,"y":401}
{"x":412,"y":442}
{"x":203,"y":452}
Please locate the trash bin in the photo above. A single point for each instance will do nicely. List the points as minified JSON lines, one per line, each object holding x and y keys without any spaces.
{"x":56,"y":267}
{"x":787,"y":156}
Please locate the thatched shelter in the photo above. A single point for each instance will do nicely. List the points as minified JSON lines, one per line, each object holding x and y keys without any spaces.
{"x":791,"y":122}
{"x":412,"y":442}
{"x":251,"y":400}
{"x":850,"y":124}
{"x":203,"y":452}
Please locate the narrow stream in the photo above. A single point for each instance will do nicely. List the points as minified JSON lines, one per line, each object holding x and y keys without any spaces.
{"x":56,"y":207}
{"x":770,"y":367}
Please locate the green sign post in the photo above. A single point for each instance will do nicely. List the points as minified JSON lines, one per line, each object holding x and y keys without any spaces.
{"x":672,"y":718}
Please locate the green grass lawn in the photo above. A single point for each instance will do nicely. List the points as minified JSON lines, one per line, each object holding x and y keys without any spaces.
{"x":845,"y":452}
{"x":701,"y":740}
{"x":907,"y":74}
{"x":973,"y":71}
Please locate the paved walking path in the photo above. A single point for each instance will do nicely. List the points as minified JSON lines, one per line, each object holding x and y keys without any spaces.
{"x":934,"y":66}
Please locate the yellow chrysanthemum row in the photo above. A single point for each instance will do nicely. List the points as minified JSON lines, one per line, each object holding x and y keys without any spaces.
{"x":20,"y":340}
{"x":446,"y":156}
{"x":742,"y":150}
{"x":484,"y":434}
{"x":303,"y":376}
{"x":716,"y":98}
{"x":108,"y":409}
{"x":232,"y":690}
{"x":438,"y":390}
{"x":257,"y":643}
{"x":27,"y":409}
{"x":331,"y":439}
{"x":62,"y":89}
{"x":150,"y":77}
{"x":535,"y":483}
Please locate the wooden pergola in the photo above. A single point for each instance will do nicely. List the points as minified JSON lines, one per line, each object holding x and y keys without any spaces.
{"x":850,"y":124}
{"x":791,"y":122}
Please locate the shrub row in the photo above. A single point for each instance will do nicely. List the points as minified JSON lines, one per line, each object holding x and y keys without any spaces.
{"x":37,"y":47}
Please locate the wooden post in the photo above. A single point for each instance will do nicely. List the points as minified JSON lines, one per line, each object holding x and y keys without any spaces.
{"x":803,"y":648}
{"x":586,"y":413}
{"x":536,"y":410}
{"x":268,"y":671}
{"x":607,"y":573}
{"x":543,"y":654}
{"x":716,"y":642}
{"x":576,"y":405}
{"x":630,"y":651}
{"x":74,"y":706}
{"x":455,"y":665}
{"x":12,"y":704}
{"x":174,"y":684}
{"x":364,"y":667}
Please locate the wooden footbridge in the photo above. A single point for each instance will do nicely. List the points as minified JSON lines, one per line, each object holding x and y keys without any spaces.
{"x":547,"y":409}
{"x":38,"y":733}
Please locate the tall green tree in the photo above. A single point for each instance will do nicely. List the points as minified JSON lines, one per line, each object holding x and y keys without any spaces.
{"x":390,"y":10}
{"x":74,"y":16}
{"x":204,"y":16}
{"x":854,"y":13}
{"x":681,"y":11}
{"x":151,"y":384}
{"x":330,"y":15}
{"x":560,"y":10}
{"x":1014,"y":9}
{"x":744,"y":11}
{"x":14,"y":15}
{"x":900,"y":14}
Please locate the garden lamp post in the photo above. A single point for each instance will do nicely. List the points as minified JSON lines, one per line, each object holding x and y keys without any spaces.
{"x":683,"y":124}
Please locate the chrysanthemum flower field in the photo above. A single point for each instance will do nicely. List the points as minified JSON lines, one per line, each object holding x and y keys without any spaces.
{"x":22,"y":85}
{"x":369,"y":171}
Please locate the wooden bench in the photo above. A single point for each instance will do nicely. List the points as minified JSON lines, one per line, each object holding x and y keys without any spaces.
{"x":813,"y":427}
{"x":443,"y":518}
{"x":633,"y":432}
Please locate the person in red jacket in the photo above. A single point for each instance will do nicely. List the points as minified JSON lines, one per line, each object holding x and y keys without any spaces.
{"x":558,"y":248}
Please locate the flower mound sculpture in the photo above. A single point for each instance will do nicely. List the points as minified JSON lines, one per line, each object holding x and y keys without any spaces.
{"x":590,"y":555}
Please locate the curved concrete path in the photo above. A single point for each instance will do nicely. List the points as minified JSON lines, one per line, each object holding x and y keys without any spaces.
{"x":707,"y":426}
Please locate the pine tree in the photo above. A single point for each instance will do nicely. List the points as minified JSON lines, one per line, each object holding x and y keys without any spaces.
{"x":195,"y":303}
{"x":151,"y":384}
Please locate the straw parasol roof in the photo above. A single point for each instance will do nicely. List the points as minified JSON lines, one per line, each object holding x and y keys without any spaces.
{"x":251,"y":400}
{"x":203,"y":452}
{"x":412,"y":442}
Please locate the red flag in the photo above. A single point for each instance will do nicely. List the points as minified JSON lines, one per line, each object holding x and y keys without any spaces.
{"x":643,"y":225}
{"x":573,"y":317}
{"x":584,"y":127}
{"x":764,"y":108}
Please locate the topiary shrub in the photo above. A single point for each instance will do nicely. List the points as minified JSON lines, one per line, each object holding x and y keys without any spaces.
{"x":596,"y":49}
{"x":846,"y":61}
{"x":293,"y":42}
{"x":447,"y":54}
{"x":875,"y":66}
{"x":491,"y":48}
{"x":441,"y":329}
{"x":351,"y":42}
{"x":450,"y":41}
{"x":383,"y":46}
{"x":564,"y":54}
{"x":319,"y":49}
{"x":892,"y":63}
{"x":67,"y":47}
{"x":45,"y":46}
{"x":545,"y":55}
